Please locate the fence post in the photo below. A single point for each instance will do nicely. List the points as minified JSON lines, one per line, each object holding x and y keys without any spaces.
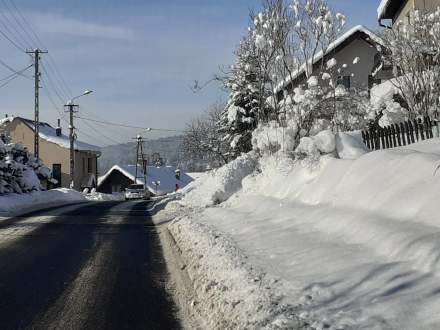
{"x":393,"y":134}
{"x":397,"y":130}
{"x":403,"y":130}
{"x":421,"y":129}
{"x":382,"y":138}
{"x":411,"y":132}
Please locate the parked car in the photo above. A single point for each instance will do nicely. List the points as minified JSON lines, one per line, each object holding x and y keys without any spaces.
{"x":136,"y":191}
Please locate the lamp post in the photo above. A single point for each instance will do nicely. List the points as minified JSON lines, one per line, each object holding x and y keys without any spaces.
{"x":71,"y":109}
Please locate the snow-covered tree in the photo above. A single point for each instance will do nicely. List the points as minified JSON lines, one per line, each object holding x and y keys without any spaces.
{"x":412,"y":48}
{"x":202,"y":146}
{"x":20,"y":172}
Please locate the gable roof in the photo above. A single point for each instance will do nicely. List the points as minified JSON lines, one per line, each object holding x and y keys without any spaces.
{"x":48,"y":133}
{"x":164,"y":174}
{"x":341,"y":42}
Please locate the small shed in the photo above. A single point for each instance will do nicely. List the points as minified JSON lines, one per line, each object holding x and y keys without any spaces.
{"x":159,"y":180}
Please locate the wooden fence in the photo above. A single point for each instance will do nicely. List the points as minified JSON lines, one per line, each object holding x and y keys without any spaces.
{"x":397,"y":135}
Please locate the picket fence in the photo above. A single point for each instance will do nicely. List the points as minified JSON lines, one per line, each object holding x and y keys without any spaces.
{"x":397,"y":135}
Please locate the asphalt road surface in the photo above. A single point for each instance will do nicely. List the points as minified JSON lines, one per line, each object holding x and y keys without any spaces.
{"x":93,"y":266}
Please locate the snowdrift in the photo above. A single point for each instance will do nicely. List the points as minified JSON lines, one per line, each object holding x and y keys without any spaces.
{"x":348,"y":243}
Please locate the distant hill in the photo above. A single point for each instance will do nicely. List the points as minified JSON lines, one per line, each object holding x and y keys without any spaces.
{"x":125,"y":154}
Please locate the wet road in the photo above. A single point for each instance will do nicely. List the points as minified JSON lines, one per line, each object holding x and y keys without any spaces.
{"x":93,"y":266}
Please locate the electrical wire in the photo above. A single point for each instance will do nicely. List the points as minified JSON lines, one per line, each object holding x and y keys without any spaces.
{"x":19,"y":24}
{"x":12,"y":77}
{"x":130,"y":126}
{"x":17,"y":73}
{"x":49,"y":59}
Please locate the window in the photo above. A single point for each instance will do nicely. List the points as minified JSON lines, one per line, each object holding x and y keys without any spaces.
{"x":344,"y":81}
{"x":89,"y":165}
{"x":56,"y":174}
{"x":84,"y":165}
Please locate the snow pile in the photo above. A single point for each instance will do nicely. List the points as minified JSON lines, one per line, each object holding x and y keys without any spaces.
{"x":20,"y":172}
{"x":271,"y":137}
{"x":231,"y":293}
{"x":346,"y":244}
{"x":346,"y":145}
{"x":218,"y":185}
{"x":13,"y":204}
{"x":97,"y":196}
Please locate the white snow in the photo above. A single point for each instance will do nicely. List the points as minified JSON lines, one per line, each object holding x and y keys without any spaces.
{"x":219,"y":184}
{"x":331,"y":63}
{"x":341,"y":244}
{"x":13,"y":204}
{"x":166,"y":175}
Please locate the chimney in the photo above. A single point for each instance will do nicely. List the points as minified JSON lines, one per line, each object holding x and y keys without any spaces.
{"x":58,"y":129}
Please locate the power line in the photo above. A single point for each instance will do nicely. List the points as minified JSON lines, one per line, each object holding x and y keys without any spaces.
{"x":18,"y":23}
{"x":130,"y":126}
{"x":17,"y":73}
{"x":51,"y":64}
{"x":100,"y":133}
{"x":9,"y":26}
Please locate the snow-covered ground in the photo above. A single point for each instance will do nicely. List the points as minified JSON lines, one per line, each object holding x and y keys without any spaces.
{"x":15,"y":204}
{"x":339,"y":244}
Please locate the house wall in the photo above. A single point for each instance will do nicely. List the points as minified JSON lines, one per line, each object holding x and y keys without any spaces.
{"x":115,"y":182}
{"x":362,"y":70}
{"x":52,"y":153}
{"x":423,"y":5}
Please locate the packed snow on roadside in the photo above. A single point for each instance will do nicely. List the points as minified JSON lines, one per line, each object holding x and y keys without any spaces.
{"x":12,"y":204}
{"x":338,"y":244}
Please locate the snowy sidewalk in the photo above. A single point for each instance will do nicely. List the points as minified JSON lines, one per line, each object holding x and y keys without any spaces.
{"x":345,"y":244}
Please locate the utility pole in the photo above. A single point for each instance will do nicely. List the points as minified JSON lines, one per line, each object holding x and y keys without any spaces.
{"x":71,"y":110}
{"x":36,"y":55}
{"x":140,"y":156}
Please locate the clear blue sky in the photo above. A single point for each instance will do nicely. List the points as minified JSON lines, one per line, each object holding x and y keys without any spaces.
{"x":139,"y":56}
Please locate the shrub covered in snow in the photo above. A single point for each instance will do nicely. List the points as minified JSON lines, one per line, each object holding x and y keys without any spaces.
{"x":20,"y":172}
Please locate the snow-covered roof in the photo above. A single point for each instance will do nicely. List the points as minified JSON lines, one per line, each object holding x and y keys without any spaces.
{"x":382,"y":8}
{"x":359,"y":28}
{"x":165,"y":174}
{"x":48,"y":133}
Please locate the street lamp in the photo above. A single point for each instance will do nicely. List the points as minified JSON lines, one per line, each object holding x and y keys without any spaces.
{"x":71,"y":109}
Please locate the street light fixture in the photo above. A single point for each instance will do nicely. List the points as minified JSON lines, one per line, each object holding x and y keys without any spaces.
{"x":71,"y":110}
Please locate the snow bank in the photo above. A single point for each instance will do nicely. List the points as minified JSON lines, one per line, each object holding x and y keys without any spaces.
{"x":14,"y":204}
{"x":97,"y":196}
{"x":231,"y":293}
{"x":218,"y":185}
{"x":347,"y":244}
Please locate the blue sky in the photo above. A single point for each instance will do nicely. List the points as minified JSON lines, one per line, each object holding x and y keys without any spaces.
{"x":139,"y":56}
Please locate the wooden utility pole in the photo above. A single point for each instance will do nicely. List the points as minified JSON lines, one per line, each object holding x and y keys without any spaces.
{"x":71,"y":110}
{"x":36,"y":55}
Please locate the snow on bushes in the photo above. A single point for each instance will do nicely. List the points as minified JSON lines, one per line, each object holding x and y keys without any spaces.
{"x":343,"y":145}
{"x":20,"y":172}
{"x":272,"y":138}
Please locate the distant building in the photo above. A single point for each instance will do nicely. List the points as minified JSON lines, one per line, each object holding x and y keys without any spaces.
{"x":358,"y":42}
{"x":55,"y":151}
{"x":159,"y":180}
{"x":400,"y":10}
